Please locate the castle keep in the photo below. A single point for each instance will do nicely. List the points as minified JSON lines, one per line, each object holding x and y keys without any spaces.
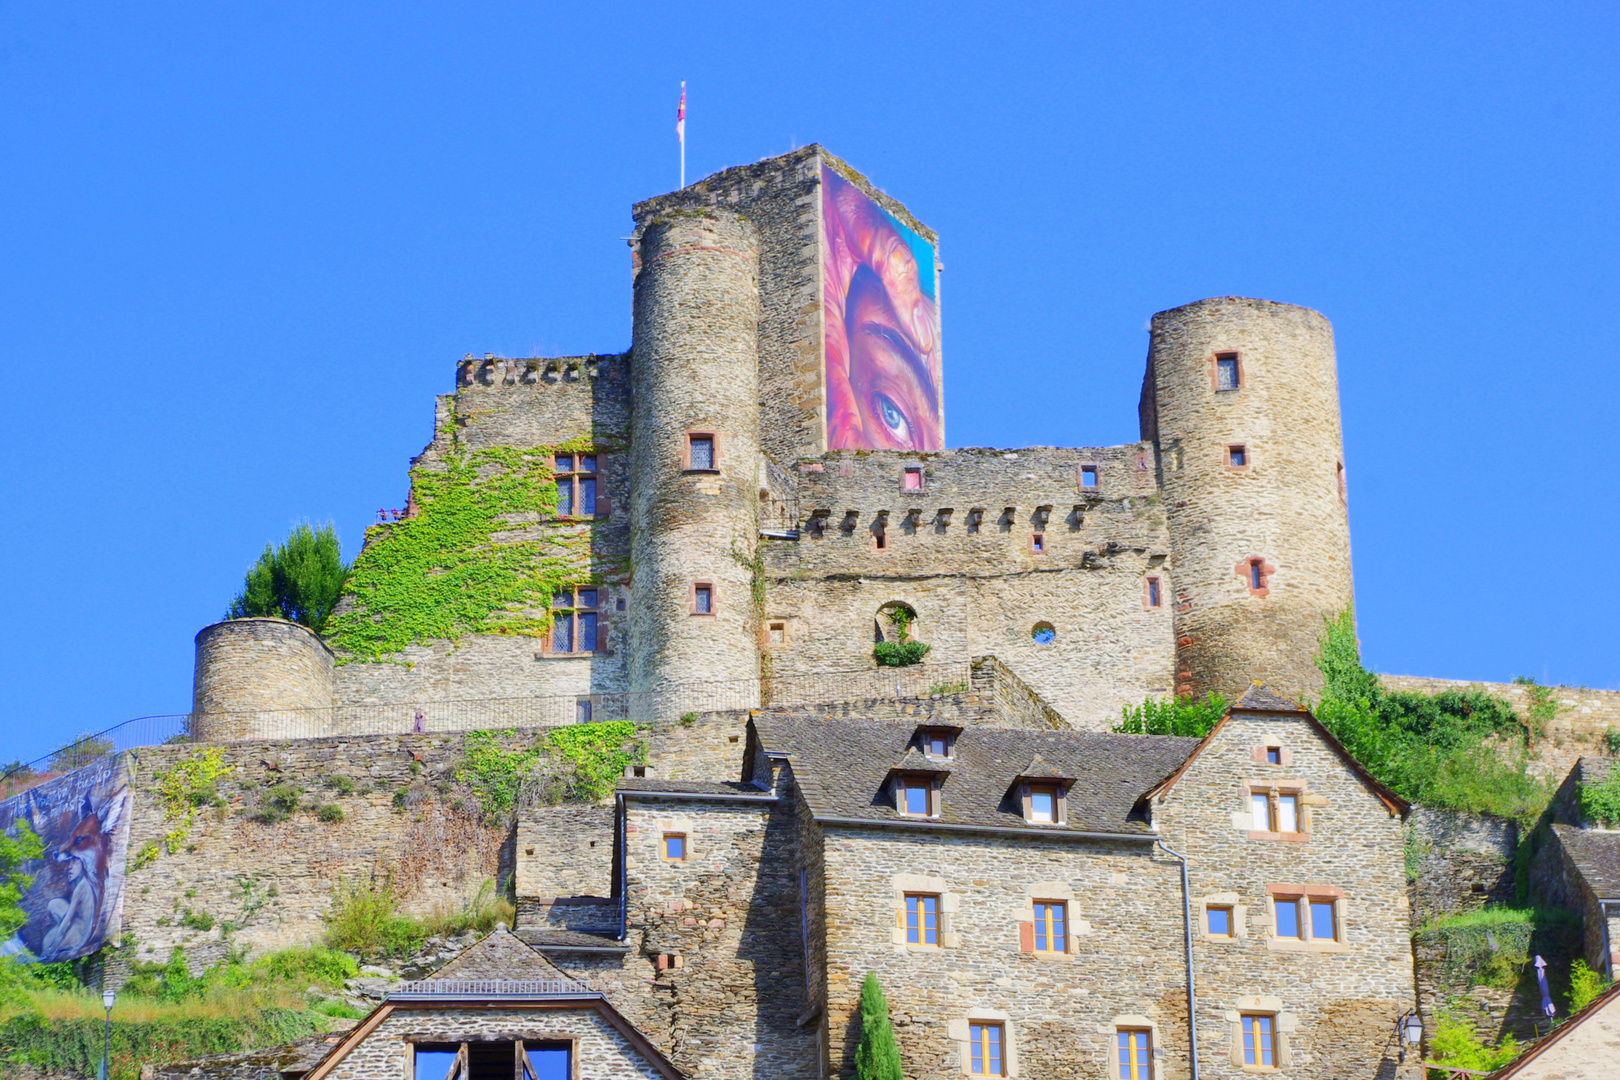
{"x":758,"y":492}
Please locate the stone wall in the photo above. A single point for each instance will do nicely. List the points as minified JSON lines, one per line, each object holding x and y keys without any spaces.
{"x":1464,"y":861}
{"x":273,"y":882}
{"x":974,"y":580}
{"x":252,"y":664}
{"x":1335,"y":1001}
{"x":1578,"y":728}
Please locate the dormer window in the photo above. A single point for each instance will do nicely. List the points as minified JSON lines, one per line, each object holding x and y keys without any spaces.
{"x":937,"y":742}
{"x":1040,"y":790}
{"x":1043,"y":804}
{"x":915,"y":795}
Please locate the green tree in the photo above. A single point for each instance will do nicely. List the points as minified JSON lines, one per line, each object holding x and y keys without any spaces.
{"x":876,"y":1055}
{"x":18,"y":847}
{"x":299,"y":580}
{"x":1176,"y":717}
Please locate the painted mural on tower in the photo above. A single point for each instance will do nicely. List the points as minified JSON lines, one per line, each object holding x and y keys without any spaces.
{"x":881,"y":319}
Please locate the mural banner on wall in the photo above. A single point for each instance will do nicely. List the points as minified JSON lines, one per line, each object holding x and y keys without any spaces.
{"x":881,"y":325}
{"x":77,"y":897}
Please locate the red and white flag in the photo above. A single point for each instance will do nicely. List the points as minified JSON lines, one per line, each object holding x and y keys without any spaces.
{"x":680,"y":116}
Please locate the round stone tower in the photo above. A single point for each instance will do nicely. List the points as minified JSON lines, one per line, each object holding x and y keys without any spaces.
{"x":694,"y":459}
{"x":1242,"y":401}
{"x":251,"y":672}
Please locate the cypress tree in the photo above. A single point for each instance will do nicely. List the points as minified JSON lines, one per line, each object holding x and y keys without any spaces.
{"x":876,"y":1055}
{"x":300,"y":580}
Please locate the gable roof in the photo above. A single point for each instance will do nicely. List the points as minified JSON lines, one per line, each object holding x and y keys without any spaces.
{"x":500,"y":970}
{"x":1596,"y":854}
{"x":1265,"y":702}
{"x":842,"y":766}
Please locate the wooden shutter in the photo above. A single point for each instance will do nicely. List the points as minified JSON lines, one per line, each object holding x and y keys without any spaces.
{"x":602,"y":632}
{"x":1026,"y":937}
{"x":604,"y":505}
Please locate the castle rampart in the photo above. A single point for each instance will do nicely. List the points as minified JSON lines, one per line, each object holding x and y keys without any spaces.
{"x":253,"y":664}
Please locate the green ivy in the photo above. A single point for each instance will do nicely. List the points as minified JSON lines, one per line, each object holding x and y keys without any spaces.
{"x":495,"y":774}
{"x":441,"y":573}
{"x":599,"y":754}
{"x":182,"y":790}
{"x":899,"y":653}
{"x":1600,"y":802}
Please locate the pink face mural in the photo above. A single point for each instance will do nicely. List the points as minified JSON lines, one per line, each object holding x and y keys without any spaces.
{"x":881,"y":323}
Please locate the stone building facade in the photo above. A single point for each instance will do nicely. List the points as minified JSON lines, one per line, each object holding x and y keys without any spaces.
{"x":729,"y":555}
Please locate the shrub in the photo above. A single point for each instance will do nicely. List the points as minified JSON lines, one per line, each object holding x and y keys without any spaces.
{"x":899,"y":653}
{"x":1611,"y":738}
{"x":1600,"y":802}
{"x":365,"y":919}
{"x":305,"y":965}
{"x":1176,"y":717}
{"x":1584,"y":985}
{"x":596,"y":756}
{"x":329,"y":812}
{"x":196,"y":920}
{"x":340,"y":783}
{"x":300,"y":580}
{"x":278,"y":803}
{"x":1454,"y":1043}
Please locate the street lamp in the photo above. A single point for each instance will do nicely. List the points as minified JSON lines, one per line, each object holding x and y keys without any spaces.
{"x":1408,"y":1030}
{"x":107,"y":999}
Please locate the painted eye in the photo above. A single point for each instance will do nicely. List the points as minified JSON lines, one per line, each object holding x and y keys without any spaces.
{"x":892,"y":418}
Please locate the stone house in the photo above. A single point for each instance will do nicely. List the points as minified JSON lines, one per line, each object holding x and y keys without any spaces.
{"x":498,"y":1011}
{"x":1019,"y":894}
{"x":1578,"y":867}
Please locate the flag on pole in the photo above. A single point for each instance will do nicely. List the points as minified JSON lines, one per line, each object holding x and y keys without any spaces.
{"x":680,"y":116}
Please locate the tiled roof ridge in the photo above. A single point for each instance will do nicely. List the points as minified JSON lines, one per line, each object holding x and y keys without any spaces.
{"x":500,"y":956}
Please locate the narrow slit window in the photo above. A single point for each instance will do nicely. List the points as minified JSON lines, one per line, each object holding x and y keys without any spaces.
{"x":1259,"y":1041}
{"x":881,"y":540}
{"x":1155,"y":597}
{"x":1228,"y":376}
{"x":1135,"y":1054}
{"x":675,"y":847}
{"x":1257,"y":577}
{"x":985,"y":1049}
{"x":1051,"y":926}
{"x":1218,"y":920}
{"x":700,"y":453}
{"x":922,"y":919}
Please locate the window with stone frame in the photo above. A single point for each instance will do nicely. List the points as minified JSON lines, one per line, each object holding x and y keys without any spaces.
{"x":922,"y":919}
{"x":911,"y":478}
{"x":985,"y":1049}
{"x":1220,"y":921}
{"x":1228,"y":372}
{"x":578,"y":480}
{"x":702,"y":598}
{"x":1051,"y":927}
{"x":1133,"y":1054}
{"x":1276,"y":811}
{"x":577,"y":622}
{"x":675,"y":846}
{"x":1259,"y":1040}
{"x":1309,"y":916}
{"x":702,"y":452}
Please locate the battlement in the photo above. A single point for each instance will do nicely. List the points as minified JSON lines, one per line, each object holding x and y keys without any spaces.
{"x":496,"y":371}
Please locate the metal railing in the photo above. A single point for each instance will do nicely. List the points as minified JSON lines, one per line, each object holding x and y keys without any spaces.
{"x":486,"y":988}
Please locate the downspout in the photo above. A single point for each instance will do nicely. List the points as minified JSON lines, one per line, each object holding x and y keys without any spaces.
{"x":624,"y":886}
{"x":1186,"y":923}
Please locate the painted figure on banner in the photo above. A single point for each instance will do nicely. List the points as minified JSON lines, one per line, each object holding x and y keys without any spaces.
{"x":881,"y":322}
{"x":76,"y":898}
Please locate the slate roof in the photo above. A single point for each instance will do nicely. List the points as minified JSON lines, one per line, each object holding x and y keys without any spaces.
{"x":648,"y":785}
{"x":1596,"y":854}
{"x":500,"y":957}
{"x":1258,"y":698}
{"x":841,"y":767}
{"x":548,"y":938}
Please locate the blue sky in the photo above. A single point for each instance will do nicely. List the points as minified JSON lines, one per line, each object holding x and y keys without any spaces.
{"x":242,"y":246}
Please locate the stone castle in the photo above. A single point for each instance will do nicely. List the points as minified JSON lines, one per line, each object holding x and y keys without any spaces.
{"x":726,"y":543}
{"x":741,"y":534}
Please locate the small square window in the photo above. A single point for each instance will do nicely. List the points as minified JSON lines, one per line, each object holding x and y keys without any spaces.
{"x":1273,"y":755}
{"x":911,"y":479}
{"x":1134,"y":1054}
{"x":915,"y":796}
{"x":1237,"y":456}
{"x":1043,"y":804}
{"x":1051,"y":926}
{"x":985,"y":1049}
{"x":1037,"y":543}
{"x":1259,"y":1041}
{"x":675,"y":846}
{"x":700,"y":452}
{"x":703,"y":598}
{"x":776,"y":633}
{"x":1324,"y":924}
{"x":1088,"y":476}
{"x":1228,"y":373}
{"x":922,"y":919}
{"x":1218,"y":921}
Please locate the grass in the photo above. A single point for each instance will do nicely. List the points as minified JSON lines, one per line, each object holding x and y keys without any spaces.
{"x":365,"y":918}
{"x":1501,"y":916}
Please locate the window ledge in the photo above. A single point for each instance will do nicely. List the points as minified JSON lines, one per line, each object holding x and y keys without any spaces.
{"x":1284,"y":837}
{"x":701,"y":472}
{"x":1296,"y":946}
{"x":543,"y":655}
{"x":1052,"y":957}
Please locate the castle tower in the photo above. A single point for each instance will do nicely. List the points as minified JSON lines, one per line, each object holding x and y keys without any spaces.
{"x":695,"y":455}
{"x":1241,"y":399}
